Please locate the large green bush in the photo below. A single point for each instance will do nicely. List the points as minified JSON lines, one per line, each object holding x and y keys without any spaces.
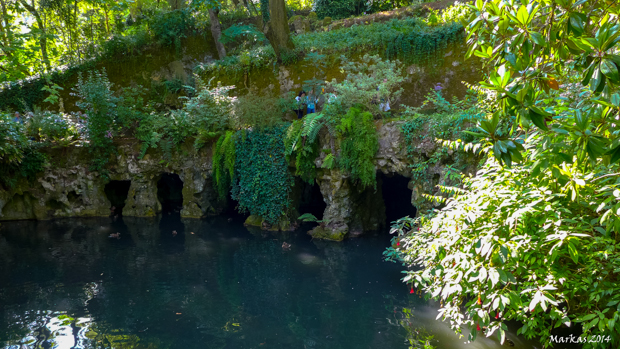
{"x":19,"y":158}
{"x":534,"y":236}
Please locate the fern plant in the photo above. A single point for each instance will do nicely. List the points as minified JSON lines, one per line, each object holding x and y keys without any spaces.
{"x":224,"y":163}
{"x":360,"y":143}
{"x":300,"y":140}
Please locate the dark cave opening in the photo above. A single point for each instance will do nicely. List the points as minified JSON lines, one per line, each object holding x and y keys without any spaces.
{"x":170,"y":193}
{"x":397,"y":197}
{"x":116,"y":192}
{"x":311,"y":200}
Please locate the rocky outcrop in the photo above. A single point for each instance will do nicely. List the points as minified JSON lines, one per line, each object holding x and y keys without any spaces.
{"x":68,"y":189}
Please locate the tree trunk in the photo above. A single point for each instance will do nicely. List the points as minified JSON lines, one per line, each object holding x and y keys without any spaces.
{"x":43,"y":37}
{"x":277,"y":31}
{"x":5,"y":27}
{"x":216,"y":30}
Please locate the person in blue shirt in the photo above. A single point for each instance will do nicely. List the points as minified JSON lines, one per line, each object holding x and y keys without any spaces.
{"x":311,"y":101}
{"x":18,"y":118}
{"x":300,"y":99}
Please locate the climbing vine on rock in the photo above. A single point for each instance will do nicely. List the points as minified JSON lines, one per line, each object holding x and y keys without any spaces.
{"x":360,"y":143}
{"x":262,"y":182}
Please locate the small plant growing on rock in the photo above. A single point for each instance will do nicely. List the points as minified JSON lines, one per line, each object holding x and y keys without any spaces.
{"x":309,"y":217}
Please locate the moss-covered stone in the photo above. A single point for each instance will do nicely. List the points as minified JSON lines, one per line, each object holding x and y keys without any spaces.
{"x":294,"y":18}
{"x":325,"y":233}
{"x":327,"y":21}
{"x":254,"y":221}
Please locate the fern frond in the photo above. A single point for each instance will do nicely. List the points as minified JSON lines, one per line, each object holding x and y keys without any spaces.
{"x":308,"y":217}
{"x":293,"y":135}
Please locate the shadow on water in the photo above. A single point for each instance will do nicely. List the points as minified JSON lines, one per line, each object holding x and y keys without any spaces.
{"x":172,"y":233}
{"x":67,"y":284}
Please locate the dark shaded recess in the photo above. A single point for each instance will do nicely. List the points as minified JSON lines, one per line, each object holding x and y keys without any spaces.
{"x":397,"y":197}
{"x":170,"y":193}
{"x":312,"y":200}
{"x":116,"y":192}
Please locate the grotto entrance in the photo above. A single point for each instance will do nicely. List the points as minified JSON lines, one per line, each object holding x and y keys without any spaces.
{"x":116,"y":192}
{"x":311,"y":200}
{"x":170,"y":193}
{"x":397,"y":197}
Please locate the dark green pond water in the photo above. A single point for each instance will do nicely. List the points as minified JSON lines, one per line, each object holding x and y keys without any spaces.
{"x":215,"y":284}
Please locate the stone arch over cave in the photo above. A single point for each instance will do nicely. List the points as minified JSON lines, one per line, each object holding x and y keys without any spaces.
{"x":396,"y":196}
{"x":170,"y":193}
{"x":311,"y":199}
{"x":116,"y":192}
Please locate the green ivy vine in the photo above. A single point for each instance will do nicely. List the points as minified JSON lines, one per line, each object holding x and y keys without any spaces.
{"x":262,"y":181}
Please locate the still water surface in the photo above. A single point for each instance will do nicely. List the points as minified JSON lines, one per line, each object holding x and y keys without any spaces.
{"x":215,"y":284}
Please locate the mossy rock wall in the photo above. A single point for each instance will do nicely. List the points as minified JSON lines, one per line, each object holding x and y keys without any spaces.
{"x":68,"y":189}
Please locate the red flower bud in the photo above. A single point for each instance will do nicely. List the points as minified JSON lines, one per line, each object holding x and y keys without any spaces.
{"x":411,"y":291}
{"x":479,"y":300}
{"x":478,"y":327}
{"x":398,"y":243}
{"x":497,"y":315}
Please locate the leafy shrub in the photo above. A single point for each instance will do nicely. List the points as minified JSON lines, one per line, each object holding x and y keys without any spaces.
{"x":126,"y":45}
{"x":18,"y":157}
{"x":169,"y":27}
{"x":386,"y":5}
{"x":12,"y":140}
{"x":458,"y":12}
{"x":210,"y":111}
{"x":534,"y":236}
{"x":48,"y":126}
{"x":511,"y":246}
{"x":369,"y":83}
{"x":339,"y":8}
{"x":247,"y":34}
{"x":262,"y":181}
{"x":98,"y":101}
{"x":359,"y":146}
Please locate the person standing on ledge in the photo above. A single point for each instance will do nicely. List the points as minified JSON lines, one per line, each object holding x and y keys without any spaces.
{"x":311,"y":102}
{"x":300,"y":104}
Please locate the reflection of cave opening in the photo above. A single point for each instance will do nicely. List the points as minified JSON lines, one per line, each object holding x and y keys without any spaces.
{"x":170,"y":192}
{"x":116,"y":192}
{"x":312,"y":200}
{"x":397,"y":197}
